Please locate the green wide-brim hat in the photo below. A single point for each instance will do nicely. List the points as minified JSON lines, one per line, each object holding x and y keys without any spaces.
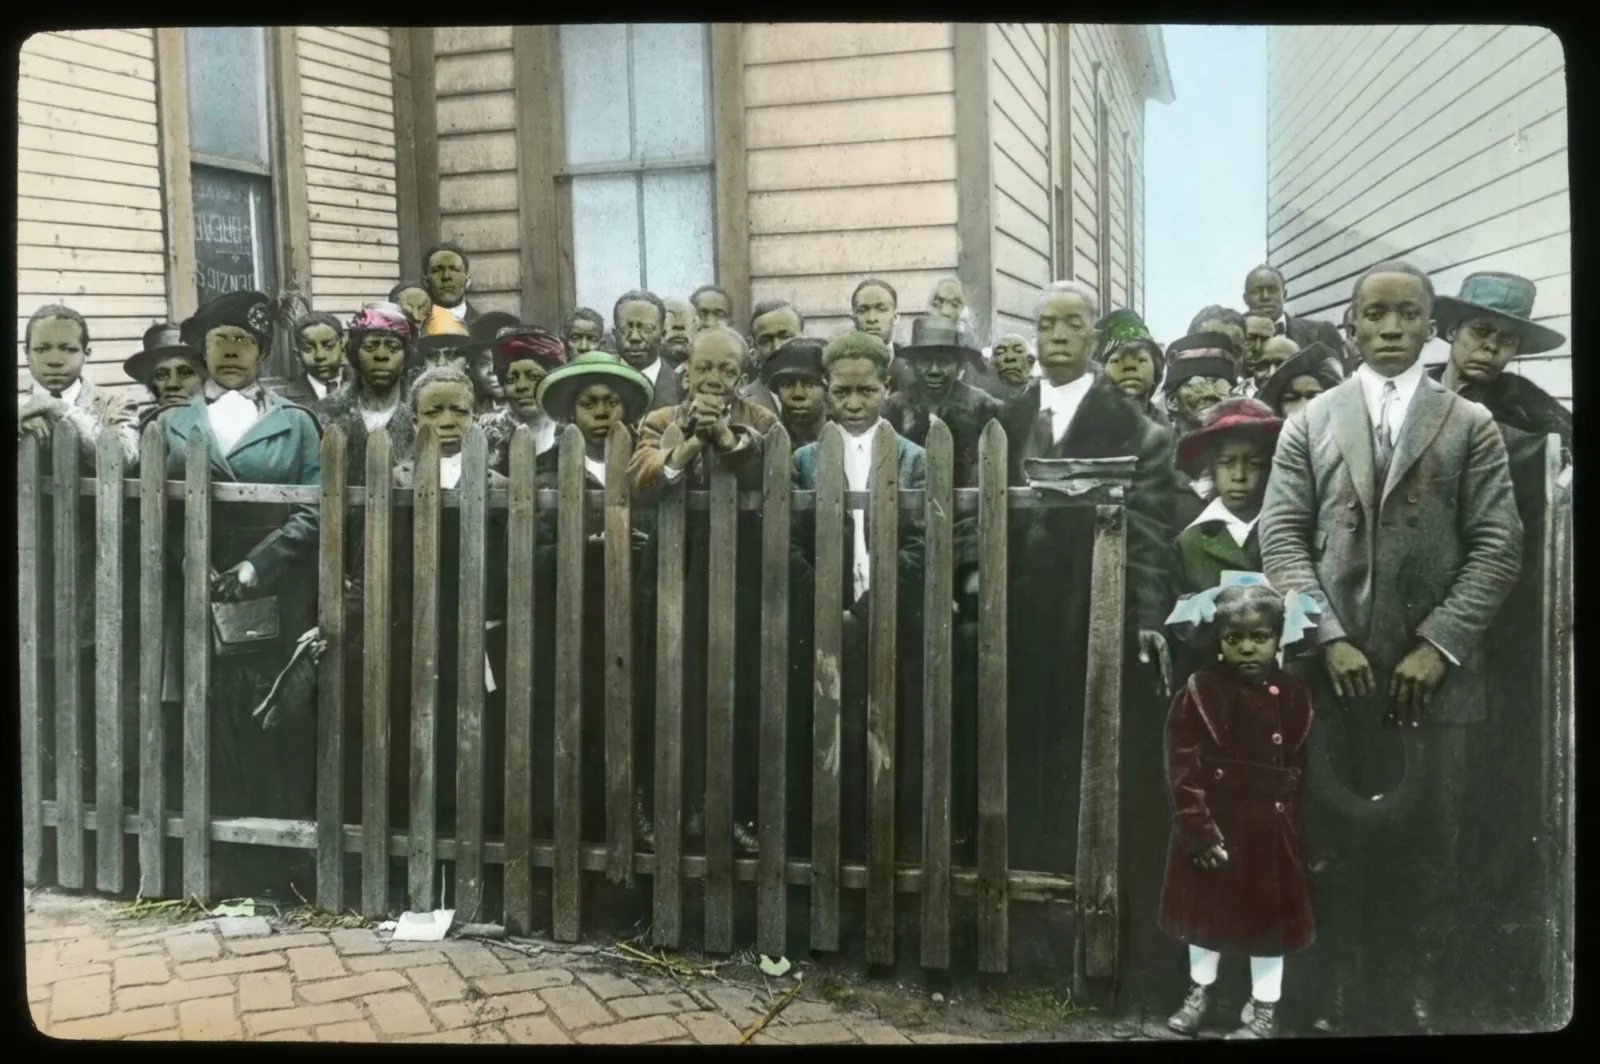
{"x":561,"y":386}
{"x":143,"y":364}
{"x":1504,"y":297}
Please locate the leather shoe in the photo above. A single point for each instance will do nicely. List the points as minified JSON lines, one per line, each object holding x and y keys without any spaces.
{"x":1330,"y":1019}
{"x":1263,"y":1022}
{"x":1187,"y":1019}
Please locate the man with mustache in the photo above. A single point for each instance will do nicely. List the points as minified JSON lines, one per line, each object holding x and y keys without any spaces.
{"x":636,"y":322}
{"x":446,"y":269}
{"x":937,"y":353}
{"x":680,"y":329}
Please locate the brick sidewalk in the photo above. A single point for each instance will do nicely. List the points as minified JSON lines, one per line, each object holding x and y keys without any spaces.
{"x":94,"y":976}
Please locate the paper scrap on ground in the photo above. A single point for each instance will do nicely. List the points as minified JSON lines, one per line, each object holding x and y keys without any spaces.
{"x":239,"y":907}
{"x":774,"y":967}
{"x":423,"y":927}
{"x":387,"y":925}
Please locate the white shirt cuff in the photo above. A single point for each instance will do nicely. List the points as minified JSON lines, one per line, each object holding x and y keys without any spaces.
{"x":671,"y":475}
{"x":247,"y":574}
{"x":1451,"y":658}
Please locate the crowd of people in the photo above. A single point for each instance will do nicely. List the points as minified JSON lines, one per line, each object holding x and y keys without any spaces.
{"x":1264,"y":609}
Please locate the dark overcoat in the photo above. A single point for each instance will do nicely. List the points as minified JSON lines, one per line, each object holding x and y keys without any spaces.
{"x":965,"y":410}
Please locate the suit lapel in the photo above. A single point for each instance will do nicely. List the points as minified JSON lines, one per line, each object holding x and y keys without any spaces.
{"x":1351,"y":429}
{"x":200,"y":432}
{"x":1430,"y":404}
{"x":1220,"y":545}
{"x":272,"y":422}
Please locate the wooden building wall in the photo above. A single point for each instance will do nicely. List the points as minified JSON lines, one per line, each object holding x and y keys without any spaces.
{"x":1020,"y":130}
{"x":89,"y":189}
{"x":1442,"y":145}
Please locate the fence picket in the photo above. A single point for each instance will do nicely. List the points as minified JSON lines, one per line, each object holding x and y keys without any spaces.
{"x":330,"y":678}
{"x":424,"y":673}
{"x":883,"y":543}
{"x":722,"y":551}
{"x":68,"y":707}
{"x":619,"y":657}
{"x":376,"y":656}
{"x":825,"y":745}
{"x":666,"y":887}
{"x":936,"y":739}
{"x":473,"y":486}
{"x":772,"y":893}
{"x":153,"y":619}
{"x":994,"y":935}
{"x":520,"y":543}
{"x":108,"y":752}
{"x":570,"y":545}
{"x":197,"y":670}
{"x":30,"y":561}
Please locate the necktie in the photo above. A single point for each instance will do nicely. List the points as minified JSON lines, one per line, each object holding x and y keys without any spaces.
{"x":1383,"y":440}
{"x":861,"y":558}
{"x":1277,"y":328}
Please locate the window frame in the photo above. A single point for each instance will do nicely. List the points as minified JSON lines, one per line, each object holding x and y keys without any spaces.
{"x":1102,"y":112}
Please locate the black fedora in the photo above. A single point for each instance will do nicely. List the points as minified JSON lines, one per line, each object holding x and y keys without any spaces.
{"x":932,"y":334}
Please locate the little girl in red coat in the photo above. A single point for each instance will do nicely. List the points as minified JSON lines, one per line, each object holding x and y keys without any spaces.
{"x":1236,"y":879}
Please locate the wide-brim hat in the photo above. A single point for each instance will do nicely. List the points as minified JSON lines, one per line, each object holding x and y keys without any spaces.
{"x":801,"y":356}
{"x":557,"y":390}
{"x":1504,"y":297}
{"x":932,"y":334}
{"x":483,"y":332}
{"x":1314,"y":360}
{"x":142,"y":365}
{"x":1228,"y":416}
{"x":251,"y":311}
{"x":528,"y":342}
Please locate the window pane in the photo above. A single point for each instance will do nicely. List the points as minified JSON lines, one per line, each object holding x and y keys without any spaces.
{"x":605,"y":239}
{"x":232,"y":233}
{"x":669,"y":89}
{"x":594,"y":77}
{"x":678,"y":236}
{"x":227,"y":72}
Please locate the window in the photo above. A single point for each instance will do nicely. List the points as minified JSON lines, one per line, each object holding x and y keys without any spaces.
{"x":230,"y":154}
{"x":636,"y":100}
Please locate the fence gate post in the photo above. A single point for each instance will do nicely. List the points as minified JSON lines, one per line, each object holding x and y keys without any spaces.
{"x":883,"y":543}
{"x":421,"y":870}
{"x":197,"y":670}
{"x":772,"y":910}
{"x":108,"y":752}
{"x":521,"y":533}
{"x":153,"y":620}
{"x":69,"y":746}
{"x":938,"y":596}
{"x":825,"y":690}
{"x":994,"y":885}
{"x":570,"y":512}
{"x":666,"y":888}
{"x":376,"y":655}
{"x":619,"y":658}
{"x":470,"y":687}
{"x":330,"y":679}
{"x":722,"y":553}
{"x":29,"y":561}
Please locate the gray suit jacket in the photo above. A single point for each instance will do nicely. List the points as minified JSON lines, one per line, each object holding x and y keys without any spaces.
{"x":1431,"y":554}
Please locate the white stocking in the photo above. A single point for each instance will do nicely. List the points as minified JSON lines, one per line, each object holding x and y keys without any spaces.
{"x":1203,"y":965}
{"x":1266,"y":977}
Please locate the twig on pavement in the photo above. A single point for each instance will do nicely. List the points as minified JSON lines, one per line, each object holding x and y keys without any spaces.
{"x":777,"y":1007}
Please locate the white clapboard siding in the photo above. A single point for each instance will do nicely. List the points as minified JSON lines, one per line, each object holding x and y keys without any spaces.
{"x":1019,"y":133}
{"x":1114,"y":49}
{"x":347,"y":97}
{"x":89,"y":195}
{"x":1445,"y":146}
{"x":476,"y":112}
{"x":851,"y":163}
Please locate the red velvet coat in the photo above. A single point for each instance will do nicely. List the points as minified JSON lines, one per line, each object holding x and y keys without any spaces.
{"x":1235,"y":764}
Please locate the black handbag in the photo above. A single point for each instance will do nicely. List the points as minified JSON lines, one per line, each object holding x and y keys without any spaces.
{"x":246,"y":627}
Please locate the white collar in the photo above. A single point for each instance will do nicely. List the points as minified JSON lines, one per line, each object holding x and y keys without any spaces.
{"x":595,"y":467}
{"x":653,"y":370}
{"x":69,"y":396}
{"x":1064,"y":397}
{"x":1405,"y":386}
{"x":214,"y":391}
{"x":862,"y":440}
{"x":318,"y":389}
{"x":450,"y":470}
{"x":1218,"y":511}
{"x":459,"y":311}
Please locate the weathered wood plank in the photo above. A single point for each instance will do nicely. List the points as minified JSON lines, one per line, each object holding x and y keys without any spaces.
{"x":936,"y":738}
{"x":153,"y":620}
{"x":424,"y":672}
{"x":619,"y":657}
{"x":108,"y":657}
{"x":825,"y":691}
{"x":1102,"y":729}
{"x":719,"y":752}
{"x":667,"y":885}
{"x":883,"y":543}
{"x":69,"y":750}
{"x":772,"y":909}
{"x":521,"y":539}
{"x":30,"y":562}
{"x":376,"y":655}
{"x":565,"y":883}
{"x":197,"y":671}
{"x":994,"y":938}
{"x":330,"y":677}
{"x":468,"y":896}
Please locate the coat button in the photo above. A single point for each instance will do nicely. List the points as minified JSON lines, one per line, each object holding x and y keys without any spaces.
{"x":1219,"y":773}
{"x":1278,"y":806}
{"x":1277,"y":739}
{"x":1351,"y":505}
{"x":1272,"y":690}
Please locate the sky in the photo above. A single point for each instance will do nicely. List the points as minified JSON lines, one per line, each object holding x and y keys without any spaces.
{"x":1205,"y":175}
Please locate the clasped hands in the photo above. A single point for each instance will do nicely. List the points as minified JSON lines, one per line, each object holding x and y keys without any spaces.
{"x":231,"y":585}
{"x":38,"y":416}
{"x":708,"y":422}
{"x":1411,"y":687}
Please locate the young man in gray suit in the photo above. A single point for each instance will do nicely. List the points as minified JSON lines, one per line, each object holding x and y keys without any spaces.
{"x":1390,"y":503}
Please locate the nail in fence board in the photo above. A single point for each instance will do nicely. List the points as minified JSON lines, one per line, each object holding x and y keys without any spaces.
{"x":667,"y":885}
{"x":619,"y":657}
{"x":828,"y":613}
{"x":29,"y":560}
{"x":153,"y":620}
{"x":376,"y":607}
{"x":473,"y":486}
{"x":330,"y":677}
{"x":1102,"y":725}
{"x":935,"y":920}
{"x":772,"y":893}
{"x":883,"y":545}
{"x":994,"y":937}
{"x":424,"y":672}
{"x":520,"y":541}
{"x":197,"y":671}
{"x":69,"y":750}
{"x":719,"y":753}
{"x":108,"y":660}
{"x":565,"y":882}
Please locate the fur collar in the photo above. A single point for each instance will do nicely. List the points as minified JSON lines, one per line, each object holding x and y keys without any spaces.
{"x":1105,"y":425}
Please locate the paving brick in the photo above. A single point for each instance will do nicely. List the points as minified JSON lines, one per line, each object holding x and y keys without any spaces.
{"x":537,"y":979}
{"x":633,"y":1032}
{"x":316,"y":962}
{"x":294,"y":1034}
{"x":260,"y":991}
{"x":875,"y":1032}
{"x":607,"y":986}
{"x":394,"y":959}
{"x":467,"y":1036}
{"x":632,"y":1008}
{"x":534,"y":1030}
{"x":263,"y":962}
{"x":437,"y":982}
{"x":243,"y":926}
{"x":88,"y":995}
{"x":248,"y":946}
{"x":139,"y":971}
{"x":303,"y":1016}
{"x":500,"y":1006}
{"x":83,"y":951}
{"x":942,"y":1038}
{"x":739,"y":1004}
{"x":710,"y":1028}
{"x":575,"y":1007}
{"x":61,"y":975}
{"x":353,"y":942}
{"x":174,"y":991}
{"x":117,"y":1024}
{"x":399,"y":1013}
{"x":190,"y":949}
{"x":45,"y":933}
{"x":474,"y":961}
{"x":798,"y":1012}
{"x":354,"y":1031}
{"x":171,"y":1034}
{"x":830,"y":1032}
{"x":208,"y":1020}
{"x":352,"y":986}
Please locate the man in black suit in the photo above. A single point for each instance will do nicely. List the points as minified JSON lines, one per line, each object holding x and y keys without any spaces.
{"x":1265,"y":293}
{"x":637,"y":322}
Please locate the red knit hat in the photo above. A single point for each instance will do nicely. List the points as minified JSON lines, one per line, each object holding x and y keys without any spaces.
{"x":1230,"y":415}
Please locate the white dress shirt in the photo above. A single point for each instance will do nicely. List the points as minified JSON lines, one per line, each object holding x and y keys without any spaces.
{"x":377,"y":419}
{"x":459,"y":311}
{"x":1405,"y":386}
{"x":231,"y":413}
{"x":596,"y":468}
{"x":858,"y":477}
{"x":450,"y":470}
{"x":70,"y":396}
{"x":1062,"y":402}
{"x":652,"y":372}
{"x":318,"y":389}
{"x":1218,"y":511}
